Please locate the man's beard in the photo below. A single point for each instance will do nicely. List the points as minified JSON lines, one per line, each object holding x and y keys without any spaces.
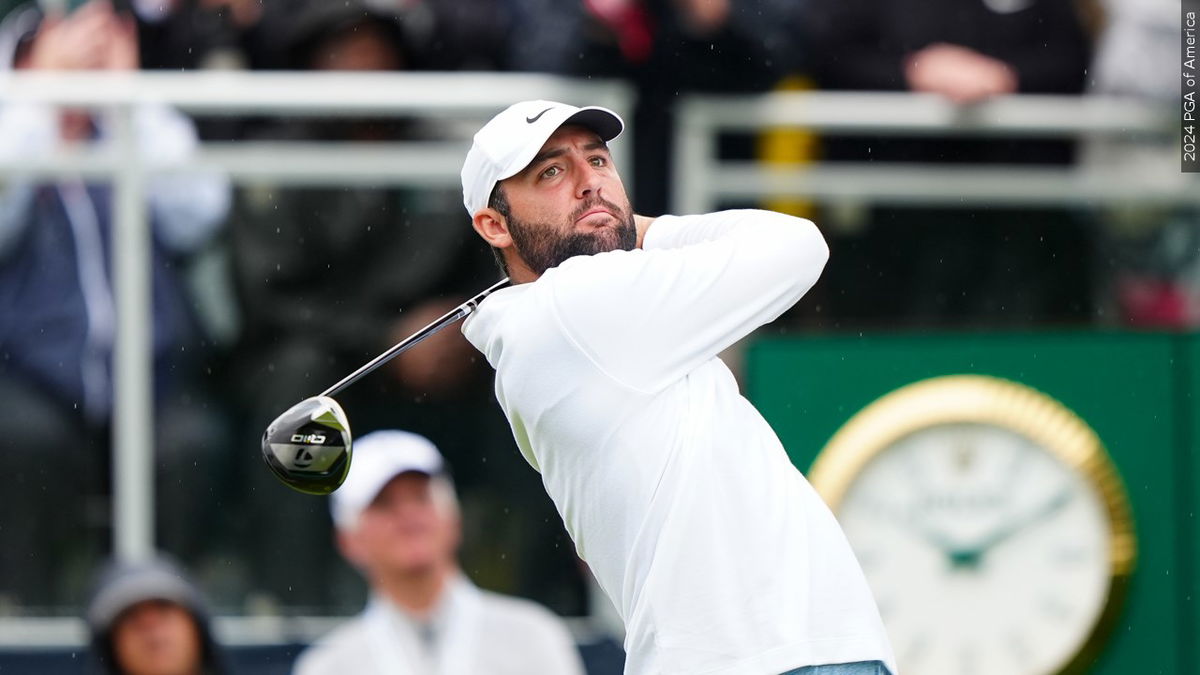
{"x":542,"y":245}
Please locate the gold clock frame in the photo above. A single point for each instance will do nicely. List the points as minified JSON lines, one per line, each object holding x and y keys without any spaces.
{"x":982,"y":399}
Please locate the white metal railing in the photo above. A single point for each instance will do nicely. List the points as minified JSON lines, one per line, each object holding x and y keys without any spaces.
{"x":701,"y":180}
{"x":459,"y":101}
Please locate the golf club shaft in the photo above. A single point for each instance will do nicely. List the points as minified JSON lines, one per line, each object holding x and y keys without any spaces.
{"x":400,"y":347}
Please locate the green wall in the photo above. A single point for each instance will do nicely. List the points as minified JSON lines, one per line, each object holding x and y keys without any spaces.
{"x":1133,"y":389}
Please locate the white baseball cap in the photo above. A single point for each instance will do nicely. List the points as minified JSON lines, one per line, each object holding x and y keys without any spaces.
{"x":510,"y":140}
{"x":379,"y":457}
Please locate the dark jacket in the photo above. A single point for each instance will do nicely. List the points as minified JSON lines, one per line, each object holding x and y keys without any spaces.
{"x":862,"y":45}
{"x":44,"y":321}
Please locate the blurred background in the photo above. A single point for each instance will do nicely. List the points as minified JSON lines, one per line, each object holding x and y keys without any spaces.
{"x":211,"y":209}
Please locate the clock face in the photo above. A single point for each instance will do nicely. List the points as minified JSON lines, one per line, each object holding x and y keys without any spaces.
{"x":990,"y":523}
{"x":986,"y":553}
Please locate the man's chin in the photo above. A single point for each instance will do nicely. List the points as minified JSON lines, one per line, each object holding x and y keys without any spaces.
{"x":613,"y":236}
{"x":607,"y":238}
{"x":541,"y":253}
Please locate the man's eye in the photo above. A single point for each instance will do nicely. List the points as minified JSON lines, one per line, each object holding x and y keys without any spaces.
{"x":599,"y":161}
{"x":551,"y":172}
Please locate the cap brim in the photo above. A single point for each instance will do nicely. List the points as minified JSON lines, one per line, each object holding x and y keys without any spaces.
{"x":603,"y":121}
{"x":380,"y":457}
{"x":599,"y":120}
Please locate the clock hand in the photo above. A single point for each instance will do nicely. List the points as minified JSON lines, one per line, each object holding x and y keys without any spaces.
{"x":1060,"y":499}
{"x":935,"y":537}
{"x":905,"y":519}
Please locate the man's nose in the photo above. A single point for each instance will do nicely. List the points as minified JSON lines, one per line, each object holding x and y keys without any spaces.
{"x":588,"y":184}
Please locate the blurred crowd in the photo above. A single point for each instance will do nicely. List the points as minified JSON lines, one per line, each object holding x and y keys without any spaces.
{"x":320,"y":280}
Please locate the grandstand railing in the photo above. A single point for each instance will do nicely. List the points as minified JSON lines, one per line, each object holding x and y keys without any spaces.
{"x":702,"y":180}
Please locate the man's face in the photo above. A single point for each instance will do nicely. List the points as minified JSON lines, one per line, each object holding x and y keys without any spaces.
{"x":569,"y":201}
{"x":157,"y":637}
{"x":412,"y":526}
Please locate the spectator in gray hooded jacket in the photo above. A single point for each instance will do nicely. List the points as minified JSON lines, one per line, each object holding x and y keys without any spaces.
{"x":149,"y":619}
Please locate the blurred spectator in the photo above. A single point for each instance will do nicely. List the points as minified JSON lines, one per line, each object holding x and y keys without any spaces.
{"x":149,"y":619}
{"x":398,"y":522}
{"x":179,"y":35}
{"x":1136,"y":49}
{"x":665,"y":48}
{"x":469,"y":34}
{"x":255,"y":35}
{"x":966,"y":52}
{"x":201,"y":34}
{"x":57,"y":323}
{"x":985,"y":265}
{"x":331,"y":276}
{"x":359,"y":35}
{"x":1151,"y":255}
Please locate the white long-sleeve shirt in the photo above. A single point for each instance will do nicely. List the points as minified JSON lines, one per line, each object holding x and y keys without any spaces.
{"x":717,"y":553}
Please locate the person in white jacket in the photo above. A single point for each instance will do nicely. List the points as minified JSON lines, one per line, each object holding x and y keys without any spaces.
{"x":397,"y":521}
{"x":719,"y":556}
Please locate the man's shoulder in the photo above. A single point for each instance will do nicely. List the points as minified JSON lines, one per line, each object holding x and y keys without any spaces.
{"x":343,"y":646}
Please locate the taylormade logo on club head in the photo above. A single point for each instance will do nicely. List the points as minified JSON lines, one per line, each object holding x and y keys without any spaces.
{"x":303,"y":458}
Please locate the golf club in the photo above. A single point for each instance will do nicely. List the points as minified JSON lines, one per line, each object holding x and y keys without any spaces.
{"x":308,"y":447}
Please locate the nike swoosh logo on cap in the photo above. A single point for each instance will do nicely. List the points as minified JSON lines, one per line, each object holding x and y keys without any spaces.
{"x":538,"y":116}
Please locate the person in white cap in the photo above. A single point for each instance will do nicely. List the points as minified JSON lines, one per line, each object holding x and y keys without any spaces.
{"x":397,"y":521}
{"x":718,"y":555}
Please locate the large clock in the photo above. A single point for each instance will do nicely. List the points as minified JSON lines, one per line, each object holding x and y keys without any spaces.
{"x":989,"y":521}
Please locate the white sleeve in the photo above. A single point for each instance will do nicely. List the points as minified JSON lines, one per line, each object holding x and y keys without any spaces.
{"x":188,"y":208}
{"x":26,"y":130}
{"x":701,"y":283}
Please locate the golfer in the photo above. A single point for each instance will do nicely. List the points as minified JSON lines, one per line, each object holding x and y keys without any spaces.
{"x":718,"y":555}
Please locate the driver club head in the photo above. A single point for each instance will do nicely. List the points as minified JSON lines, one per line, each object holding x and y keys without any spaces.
{"x":308,"y":447}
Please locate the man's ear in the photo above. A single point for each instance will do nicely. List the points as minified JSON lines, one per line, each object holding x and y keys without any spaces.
{"x":493,"y":227}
